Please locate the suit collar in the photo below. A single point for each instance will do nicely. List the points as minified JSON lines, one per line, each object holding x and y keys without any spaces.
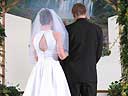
{"x":81,"y":19}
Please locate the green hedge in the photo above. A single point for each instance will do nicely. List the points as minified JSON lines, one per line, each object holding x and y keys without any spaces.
{"x":123,"y":21}
{"x":9,"y":91}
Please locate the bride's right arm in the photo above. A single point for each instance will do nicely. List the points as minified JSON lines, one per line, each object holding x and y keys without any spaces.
{"x":60,"y":50}
{"x":35,"y":56}
{"x":34,"y":51}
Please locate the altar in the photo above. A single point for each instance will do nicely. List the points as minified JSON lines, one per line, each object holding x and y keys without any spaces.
{"x":18,"y":31}
{"x":18,"y":66}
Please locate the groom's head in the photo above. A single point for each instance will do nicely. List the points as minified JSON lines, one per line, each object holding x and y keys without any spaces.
{"x":79,"y":10}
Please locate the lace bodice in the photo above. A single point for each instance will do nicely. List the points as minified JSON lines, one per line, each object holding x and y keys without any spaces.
{"x":51,"y":44}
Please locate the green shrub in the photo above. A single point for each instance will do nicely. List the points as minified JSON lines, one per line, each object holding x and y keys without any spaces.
{"x":118,"y":88}
{"x":9,"y":91}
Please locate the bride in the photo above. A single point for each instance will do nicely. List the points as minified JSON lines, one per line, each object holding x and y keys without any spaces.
{"x":50,"y":41}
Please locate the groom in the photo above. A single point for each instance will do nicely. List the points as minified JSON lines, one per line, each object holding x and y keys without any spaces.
{"x":85,"y":48}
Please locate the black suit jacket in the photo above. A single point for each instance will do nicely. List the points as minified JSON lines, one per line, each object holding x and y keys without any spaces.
{"x":85,"y":48}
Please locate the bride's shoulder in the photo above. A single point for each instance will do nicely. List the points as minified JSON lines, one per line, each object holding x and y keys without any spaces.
{"x":57,"y":35}
{"x":36,"y":36}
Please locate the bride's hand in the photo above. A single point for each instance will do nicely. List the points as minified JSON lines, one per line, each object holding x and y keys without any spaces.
{"x":63,"y":56}
{"x":66,"y":55}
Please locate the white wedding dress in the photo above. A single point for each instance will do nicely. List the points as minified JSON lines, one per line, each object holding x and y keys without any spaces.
{"x":47,"y":77}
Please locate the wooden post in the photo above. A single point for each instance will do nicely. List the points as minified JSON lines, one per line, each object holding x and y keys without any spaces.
{"x":3,"y":47}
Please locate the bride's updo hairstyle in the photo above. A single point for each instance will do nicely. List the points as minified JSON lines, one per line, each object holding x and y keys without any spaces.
{"x":45,"y":17}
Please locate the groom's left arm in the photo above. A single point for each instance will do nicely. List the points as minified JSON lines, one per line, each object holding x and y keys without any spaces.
{"x":99,"y":43}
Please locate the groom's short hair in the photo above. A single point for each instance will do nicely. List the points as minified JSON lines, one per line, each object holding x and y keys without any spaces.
{"x":78,"y":9}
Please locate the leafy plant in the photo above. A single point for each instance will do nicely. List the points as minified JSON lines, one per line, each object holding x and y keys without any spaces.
{"x":3,"y":90}
{"x":9,"y":91}
{"x":115,"y":89}
{"x":123,"y":21}
{"x":118,"y":88}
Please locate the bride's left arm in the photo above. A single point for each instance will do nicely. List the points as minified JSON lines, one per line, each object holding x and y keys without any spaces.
{"x":60,"y":50}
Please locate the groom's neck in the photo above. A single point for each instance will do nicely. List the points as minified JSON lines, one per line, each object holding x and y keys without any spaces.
{"x":81,"y":16}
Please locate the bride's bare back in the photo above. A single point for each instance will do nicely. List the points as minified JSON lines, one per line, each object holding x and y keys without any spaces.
{"x":43,"y":44}
{"x":46,"y":41}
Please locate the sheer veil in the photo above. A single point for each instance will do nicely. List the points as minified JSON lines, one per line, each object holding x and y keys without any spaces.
{"x":58,"y":26}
